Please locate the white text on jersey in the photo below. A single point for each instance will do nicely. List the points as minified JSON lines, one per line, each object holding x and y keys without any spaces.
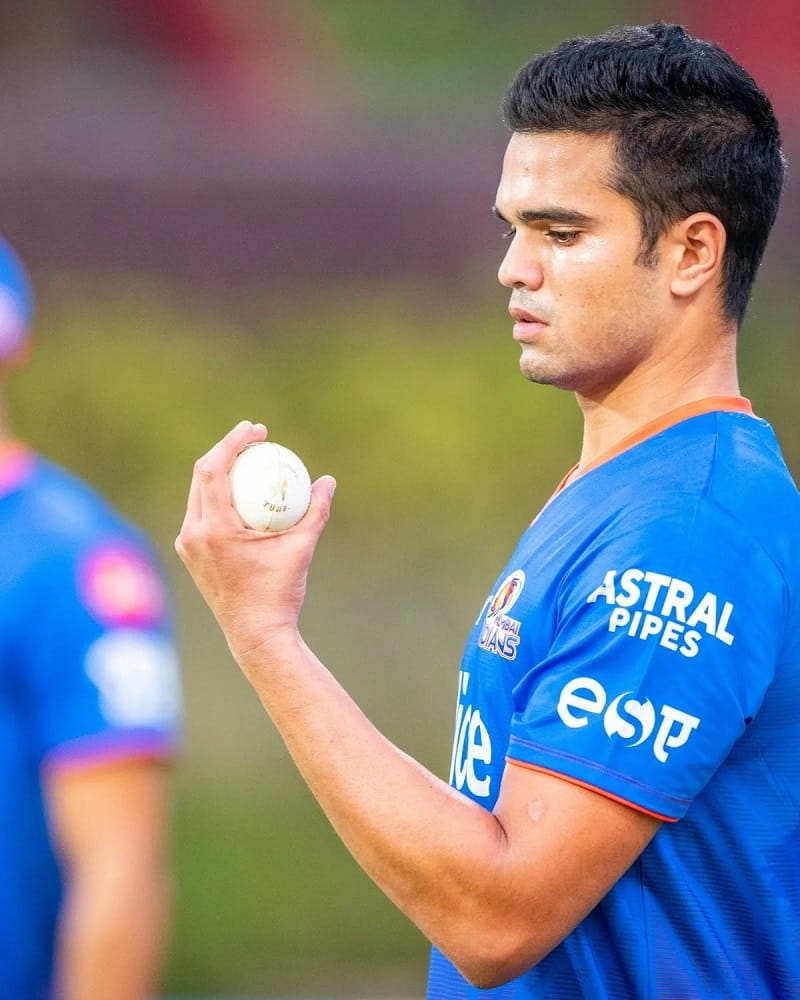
{"x":649,"y":605}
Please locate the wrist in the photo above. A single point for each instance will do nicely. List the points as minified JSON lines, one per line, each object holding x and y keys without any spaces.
{"x":268,"y":648}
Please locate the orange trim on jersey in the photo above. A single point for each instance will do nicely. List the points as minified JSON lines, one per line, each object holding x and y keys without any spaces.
{"x":712,"y":404}
{"x":592,"y":788}
{"x":161,"y":749}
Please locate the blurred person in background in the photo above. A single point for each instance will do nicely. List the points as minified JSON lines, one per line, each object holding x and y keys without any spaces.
{"x":623,"y":816}
{"x":89,"y":720}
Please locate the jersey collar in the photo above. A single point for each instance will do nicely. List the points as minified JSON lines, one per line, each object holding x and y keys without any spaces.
{"x":712,"y":404}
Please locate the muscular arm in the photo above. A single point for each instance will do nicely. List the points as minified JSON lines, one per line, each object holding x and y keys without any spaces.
{"x":109,"y":827}
{"x":494,"y":891}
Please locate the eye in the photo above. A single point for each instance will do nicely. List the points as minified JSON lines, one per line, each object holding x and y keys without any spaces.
{"x":563,"y":237}
{"x":508,"y":234}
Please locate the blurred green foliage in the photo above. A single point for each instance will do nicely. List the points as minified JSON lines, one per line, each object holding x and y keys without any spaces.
{"x":416,"y":57}
{"x":443,"y":454}
{"x":419,"y":412}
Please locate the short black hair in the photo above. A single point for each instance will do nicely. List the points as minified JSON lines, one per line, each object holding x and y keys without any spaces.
{"x":693,"y":133}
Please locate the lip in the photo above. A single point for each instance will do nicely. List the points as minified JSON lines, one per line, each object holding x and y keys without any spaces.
{"x":526,"y":324}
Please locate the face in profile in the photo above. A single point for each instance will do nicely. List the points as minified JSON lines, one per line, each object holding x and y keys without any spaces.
{"x":587,"y":312}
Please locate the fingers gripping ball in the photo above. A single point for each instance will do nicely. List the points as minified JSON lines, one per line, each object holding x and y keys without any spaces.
{"x":270,"y":487}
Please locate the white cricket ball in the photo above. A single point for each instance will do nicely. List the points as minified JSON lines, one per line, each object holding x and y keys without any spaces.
{"x":270,"y":486}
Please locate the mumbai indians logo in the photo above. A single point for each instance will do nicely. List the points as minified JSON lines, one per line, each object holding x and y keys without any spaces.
{"x":500,"y":633}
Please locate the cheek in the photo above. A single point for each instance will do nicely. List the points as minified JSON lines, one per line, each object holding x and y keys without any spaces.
{"x":602,"y":315}
{"x":603,"y":288}
{"x":584,"y":295}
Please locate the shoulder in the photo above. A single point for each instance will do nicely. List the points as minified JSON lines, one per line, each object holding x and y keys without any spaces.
{"x":64,"y":512}
{"x":65,"y":538}
{"x":749,"y":479}
{"x":727,"y":465}
{"x":709,"y":502}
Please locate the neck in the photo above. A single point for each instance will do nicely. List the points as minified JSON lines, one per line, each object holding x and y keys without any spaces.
{"x":651,"y":392}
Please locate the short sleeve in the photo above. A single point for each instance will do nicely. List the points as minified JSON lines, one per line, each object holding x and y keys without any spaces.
{"x":667,"y":635}
{"x":96,"y":655}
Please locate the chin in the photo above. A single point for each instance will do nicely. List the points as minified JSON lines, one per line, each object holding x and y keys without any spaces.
{"x":541,"y":376}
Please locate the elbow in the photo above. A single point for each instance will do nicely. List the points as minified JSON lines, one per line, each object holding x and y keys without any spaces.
{"x":486,"y":978}
{"x":487,"y":975}
{"x":498,"y":959}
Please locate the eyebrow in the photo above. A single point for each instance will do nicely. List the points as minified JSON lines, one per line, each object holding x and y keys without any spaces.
{"x":566,"y":216}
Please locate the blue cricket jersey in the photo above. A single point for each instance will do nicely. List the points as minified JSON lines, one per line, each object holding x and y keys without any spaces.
{"x":88,"y":673}
{"x":644,"y":641}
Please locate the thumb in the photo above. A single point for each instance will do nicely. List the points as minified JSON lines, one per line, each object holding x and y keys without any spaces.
{"x":319,"y":509}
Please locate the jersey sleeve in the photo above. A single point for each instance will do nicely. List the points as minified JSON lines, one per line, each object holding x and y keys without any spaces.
{"x":99,"y":671}
{"x":667,"y":634}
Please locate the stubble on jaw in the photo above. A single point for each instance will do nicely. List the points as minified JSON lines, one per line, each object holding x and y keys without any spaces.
{"x":596,"y":376}
{"x":594,"y":360}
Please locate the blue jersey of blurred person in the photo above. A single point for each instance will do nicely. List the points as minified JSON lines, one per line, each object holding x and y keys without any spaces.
{"x":89,"y":709}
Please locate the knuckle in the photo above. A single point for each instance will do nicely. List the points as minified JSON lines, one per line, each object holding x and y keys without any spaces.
{"x":183,"y":544}
{"x":202,"y":469}
{"x":189,"y":540}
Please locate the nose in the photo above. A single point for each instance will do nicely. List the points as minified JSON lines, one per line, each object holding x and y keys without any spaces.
{"x":520,"y":269}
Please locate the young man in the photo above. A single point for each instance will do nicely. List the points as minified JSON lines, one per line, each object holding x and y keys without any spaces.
{"x":622,"y":815}
{"x":89,"y":707}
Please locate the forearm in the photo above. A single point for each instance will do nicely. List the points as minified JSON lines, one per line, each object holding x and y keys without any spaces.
{"x":111,"y":933}
{"x":422,"y":842}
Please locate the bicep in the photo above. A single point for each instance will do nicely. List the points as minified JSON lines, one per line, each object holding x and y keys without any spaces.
{"x":108,"y":823}
{"x":115,"y":810}
{"x":566,"y":846}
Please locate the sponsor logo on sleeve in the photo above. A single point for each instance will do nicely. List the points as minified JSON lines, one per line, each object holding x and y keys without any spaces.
{"x":653,"y":607}
{"x":636,"y":721}
{"x":119,"y":586}
{"x":500,"y":633}
{"x":137,"y":676}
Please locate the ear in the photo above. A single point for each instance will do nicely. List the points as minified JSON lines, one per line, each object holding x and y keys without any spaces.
{"x":699,"y":243}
